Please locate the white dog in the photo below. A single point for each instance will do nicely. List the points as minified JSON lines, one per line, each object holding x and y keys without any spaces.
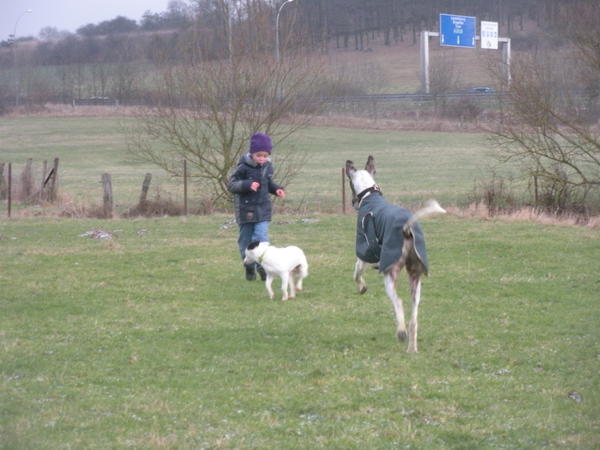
{"x":289,"y":263}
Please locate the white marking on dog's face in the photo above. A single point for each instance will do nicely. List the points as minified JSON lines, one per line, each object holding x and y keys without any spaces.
{"x":252,"y":255}
{"x":249,"y":257}
{"x":361,"y":180}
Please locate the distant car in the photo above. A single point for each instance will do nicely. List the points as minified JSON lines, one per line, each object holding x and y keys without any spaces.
{"x":481,"y":90}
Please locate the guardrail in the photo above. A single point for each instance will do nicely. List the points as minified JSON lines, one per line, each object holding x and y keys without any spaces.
{"x":413,"y":97}
{"x":95,"y":101}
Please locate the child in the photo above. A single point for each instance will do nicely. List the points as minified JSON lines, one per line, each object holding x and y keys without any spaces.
{"x":252,"y":182}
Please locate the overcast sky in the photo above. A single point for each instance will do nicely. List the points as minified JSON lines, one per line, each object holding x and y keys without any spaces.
{"x":68,"y":14}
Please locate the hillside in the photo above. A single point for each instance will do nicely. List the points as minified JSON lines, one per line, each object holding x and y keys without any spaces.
{"x":120,"y":65}
{"x":396,"y":69}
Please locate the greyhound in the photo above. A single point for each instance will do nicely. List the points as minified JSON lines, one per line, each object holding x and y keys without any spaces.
{"x":389,"y":236}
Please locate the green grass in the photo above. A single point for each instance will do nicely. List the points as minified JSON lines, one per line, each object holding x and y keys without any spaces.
{"x":87,"y":147}
{"x":154,"y":339}
{"x":412,"y":166}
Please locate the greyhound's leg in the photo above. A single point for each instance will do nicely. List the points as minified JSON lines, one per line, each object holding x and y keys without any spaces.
{"x":415,"y":289}
{"x":389,"y":281}
{"x":268,"y":283}
{"x":285,"y":281}
{"x":359,"y":269}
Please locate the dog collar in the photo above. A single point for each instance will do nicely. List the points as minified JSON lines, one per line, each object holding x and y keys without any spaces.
{"x":366,"y":192}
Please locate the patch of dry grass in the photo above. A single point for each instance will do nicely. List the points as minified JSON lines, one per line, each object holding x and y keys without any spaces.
{"x":62,"y":110}
{"x":526,"y":214}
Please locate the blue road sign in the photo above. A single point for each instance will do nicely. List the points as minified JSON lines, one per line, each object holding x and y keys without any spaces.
{"x":457,"y":31}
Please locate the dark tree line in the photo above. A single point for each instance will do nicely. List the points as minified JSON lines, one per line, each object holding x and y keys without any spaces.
{"x":112,"y":57}
{"x":353,"y":23}
{"x":200,"y":28}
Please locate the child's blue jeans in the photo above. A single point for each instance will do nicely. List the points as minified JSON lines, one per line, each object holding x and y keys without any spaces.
{"x":250,"y":232}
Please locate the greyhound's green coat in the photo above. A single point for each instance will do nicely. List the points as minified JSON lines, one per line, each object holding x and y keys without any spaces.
{"x":379,"y":233}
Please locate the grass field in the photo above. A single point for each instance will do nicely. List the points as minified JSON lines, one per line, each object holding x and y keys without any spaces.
{"x":153,"y":340}
{"x":412,"y":165}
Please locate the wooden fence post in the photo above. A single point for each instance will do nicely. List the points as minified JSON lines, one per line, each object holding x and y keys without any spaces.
{"x":44,"y":170}
{"x":9,"y":187}
{"x":53,"y":182}
{"x":145,"y":188}
{"x":2,"y":182}
{"x":343,"y":192}
{"x":108,"y":197}
{"x":185,"y":188}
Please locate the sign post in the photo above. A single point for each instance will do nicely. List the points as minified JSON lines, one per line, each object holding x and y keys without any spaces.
{"x":459,"y":31}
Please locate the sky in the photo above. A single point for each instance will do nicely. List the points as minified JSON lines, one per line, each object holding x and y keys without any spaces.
{"x":68,"y":14}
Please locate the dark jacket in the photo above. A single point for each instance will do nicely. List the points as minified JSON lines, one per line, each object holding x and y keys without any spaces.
{"x":379,"y":236}
{"x":250,"y":206}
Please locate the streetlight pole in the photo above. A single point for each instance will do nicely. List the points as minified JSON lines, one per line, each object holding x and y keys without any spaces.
{"x":14,"y":44}
{"x":277,"y":57}
{"x":229,"y":33}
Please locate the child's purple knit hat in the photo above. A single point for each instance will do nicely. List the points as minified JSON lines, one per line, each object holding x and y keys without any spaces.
{"x":260,"y":142}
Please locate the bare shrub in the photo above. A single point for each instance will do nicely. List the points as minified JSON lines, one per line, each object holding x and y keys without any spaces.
{"x":444,"y":78}
{"x":207,"y":113}
{"x":463,"y":109}
{"x":5,"y":104}
{"x":557,"y":195}
{"x":549,"y":125}
{"x":495,"y":195}
{"x":156,"y":207}
{"x":79,"y":211}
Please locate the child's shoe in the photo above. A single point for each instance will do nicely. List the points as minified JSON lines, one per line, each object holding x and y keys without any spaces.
{"x":250,"y":273}
{"x":262,"y":273}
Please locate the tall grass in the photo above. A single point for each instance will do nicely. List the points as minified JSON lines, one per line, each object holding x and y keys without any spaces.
{"x":412,"y":165}
{"x":153,"y":339}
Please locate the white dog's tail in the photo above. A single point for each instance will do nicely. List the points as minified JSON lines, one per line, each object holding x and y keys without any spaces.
{"x":431,"y":207}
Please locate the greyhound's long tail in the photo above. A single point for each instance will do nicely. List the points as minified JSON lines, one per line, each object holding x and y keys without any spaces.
{"x":431,"y":207}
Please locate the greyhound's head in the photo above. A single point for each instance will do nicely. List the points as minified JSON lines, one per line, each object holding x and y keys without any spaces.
{"x":361,"y":181}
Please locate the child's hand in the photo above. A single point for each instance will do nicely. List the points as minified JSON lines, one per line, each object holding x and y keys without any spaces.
{"x":280,"y":193}
{"x":255,"y":185}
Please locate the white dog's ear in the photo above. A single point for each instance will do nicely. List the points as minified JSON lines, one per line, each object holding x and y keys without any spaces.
{"x":370,"y":165}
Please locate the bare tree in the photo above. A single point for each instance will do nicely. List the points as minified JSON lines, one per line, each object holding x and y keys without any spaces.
{"x":444,"y":78}
{"x":550,"y":125}
{"x":205,"y":114}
